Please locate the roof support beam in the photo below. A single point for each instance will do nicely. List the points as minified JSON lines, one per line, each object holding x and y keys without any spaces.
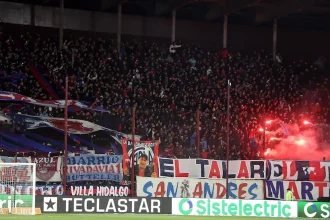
{"x":283,"y":9}
{"x":228,"y":7}
{"x":106,"y":4}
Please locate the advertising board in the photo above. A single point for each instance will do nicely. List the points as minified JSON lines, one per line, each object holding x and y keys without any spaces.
{"x":230,"y":207}
{"x":85,"y":204}
{"x":314,"y":209}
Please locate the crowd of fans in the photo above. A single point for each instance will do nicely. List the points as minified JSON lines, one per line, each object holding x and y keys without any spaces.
{"x":168,"y":85}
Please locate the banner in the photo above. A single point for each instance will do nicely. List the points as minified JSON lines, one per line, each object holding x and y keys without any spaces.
{"x":50,"y":189}
{"x":54,"y":189}
{"x":76,"y":204}
{"x":203,"y":168}
{"x":75,"y":126}
{"x":299,"y":170}
{"x":145,"y":159}
{"x":229,"y":207}
{"x":18,"y":189}
{"x":4,"y":118}
{"x":14,"y":97}
{"x":12,"y":77}
{"x":112,"y":191}
{"x":94,"y":167}
{"x":48,"y":169}
{"x":302,"y":190}
{"x":199,"y":188}
{"x":314,"y":210}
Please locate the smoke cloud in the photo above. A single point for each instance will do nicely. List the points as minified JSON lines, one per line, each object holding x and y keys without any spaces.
{"x":299,"y":145}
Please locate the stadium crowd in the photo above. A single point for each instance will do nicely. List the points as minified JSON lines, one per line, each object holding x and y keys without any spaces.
{"x":169,"y":84}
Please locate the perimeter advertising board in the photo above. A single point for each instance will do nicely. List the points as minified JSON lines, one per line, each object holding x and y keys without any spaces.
{"x":85,"y":204}
{"x":229,"y":207}
{"x":314,"y":209}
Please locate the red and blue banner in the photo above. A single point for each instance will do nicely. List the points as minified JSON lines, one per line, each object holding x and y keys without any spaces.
{"x":298,"y":170}
{"x":13,"y":77}
{"x":75,"y":126}
{"x":199,"y":188}
{"x":57,"y":189}
{"x":78,"y":105}
{"x":49,"y":169}
{"x":302,"y":190}
{"x":94,"y":167}
{"x":44,"y":83}
{"x":212,"y":169}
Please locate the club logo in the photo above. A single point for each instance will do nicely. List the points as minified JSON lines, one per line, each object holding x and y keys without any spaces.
{"x":46,"y":167}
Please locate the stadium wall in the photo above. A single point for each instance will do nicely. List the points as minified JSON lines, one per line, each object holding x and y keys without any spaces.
{"x":291,"y":43}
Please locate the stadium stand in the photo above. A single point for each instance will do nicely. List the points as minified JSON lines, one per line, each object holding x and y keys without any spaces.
{"x":168,"y":89}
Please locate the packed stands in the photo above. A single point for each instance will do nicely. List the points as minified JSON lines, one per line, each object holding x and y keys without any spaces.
{"x":167,"y":86}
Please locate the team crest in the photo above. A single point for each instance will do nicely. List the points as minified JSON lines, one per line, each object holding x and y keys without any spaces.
{"x":46,"y":167}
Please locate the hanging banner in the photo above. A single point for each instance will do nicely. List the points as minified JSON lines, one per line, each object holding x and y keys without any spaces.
{"x":145,"y":159}
{"x":48,"y":169}
{"x":57,"y":189}
{"x":94,"y":167}
{"x":112,"y":191}
{"x":216,"y":169}
{"x":199,"y":188}
{"x":302,"y":190}
{"x":299,"y":170}
{"x":50,"y":189}
{"x":14,"y":97}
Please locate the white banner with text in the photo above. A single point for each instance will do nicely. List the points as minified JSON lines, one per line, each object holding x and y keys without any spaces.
{"x":199,"y":188}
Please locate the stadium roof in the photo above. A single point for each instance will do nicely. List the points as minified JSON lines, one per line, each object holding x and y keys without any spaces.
{"x":307,"y":14}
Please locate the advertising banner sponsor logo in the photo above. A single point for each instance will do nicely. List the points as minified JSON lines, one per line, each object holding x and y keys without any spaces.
{"x":10,"y":201}
{"x":94,"y":167}
{"x":84,"y":204}
{"x":145,"y":159}
{"x":229,"y":207}
{"x":302,"y":190}
{"x":299,"y":170}
{"x":48,"y":169}
{"x":203,"y":168}
{"x":199,"y":188}
{"x":314,"y":210}
{"x":50,"y":204}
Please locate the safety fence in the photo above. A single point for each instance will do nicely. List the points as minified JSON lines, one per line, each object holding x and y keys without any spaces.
{"x":183,"y":206}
